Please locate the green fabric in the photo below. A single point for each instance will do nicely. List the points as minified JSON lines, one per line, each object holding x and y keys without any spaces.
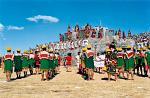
{"x":55,"y":62}
{"x":113,"y":55}
{"x":25,"y":62}
{"x":148,"y":57}
{"x":84,"y":60}
{"x":44,"y":64}
{"x":18,"y":63}
{"x":51,"y":63}
{"x":111,"y":69}
{"x":8,"y":65}
{"x":129,"y":63}
{"x":137,"y":59}
{"x":31,"y":62}
{"x":142,"y":61}
{"x":90,"y":63}
{"x":120,"y":62}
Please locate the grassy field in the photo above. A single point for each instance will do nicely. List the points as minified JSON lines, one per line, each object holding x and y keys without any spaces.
{"x":72,"y":85}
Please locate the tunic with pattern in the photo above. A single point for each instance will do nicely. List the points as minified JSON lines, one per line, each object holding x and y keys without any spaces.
{"x":44,"y":62}
{"x":120,"y":61}
{"x":90,"y":59}
{"x":8,"y":62}
{"x":129,"y":60}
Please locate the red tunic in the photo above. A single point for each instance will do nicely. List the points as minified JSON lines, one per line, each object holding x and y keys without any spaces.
{"x":36,"y":58}
{"x":8,"y":56}
{"x":59,"y":59}
{"x":68,"y":60}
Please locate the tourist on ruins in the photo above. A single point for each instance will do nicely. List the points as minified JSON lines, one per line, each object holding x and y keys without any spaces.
{"x":8,"y":64}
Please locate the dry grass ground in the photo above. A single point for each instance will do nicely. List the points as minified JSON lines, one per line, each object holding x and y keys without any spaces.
{"x":72,"y":85}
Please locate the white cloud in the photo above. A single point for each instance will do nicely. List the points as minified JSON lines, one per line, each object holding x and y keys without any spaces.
{"x":44,"y":18}
{"x":1,"y":27}
{"x":14,"y":28}
{"x":10,"y":27}
{"x":2,"y":36}
{"x":1,"y":32}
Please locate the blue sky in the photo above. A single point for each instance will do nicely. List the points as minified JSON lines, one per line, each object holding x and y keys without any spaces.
{"x":17,"y":31}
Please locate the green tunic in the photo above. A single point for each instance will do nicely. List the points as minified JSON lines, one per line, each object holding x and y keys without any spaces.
{"x":8,"y":65}
{"x":114,"y":55}
{"x":51,"y":64}
{"x":148,"y":57}
{"x":120,"y":62}
{"x":142,"y":61}
{"x":44,"y":64}
{"x":18,"y":63}
{"x":31,"y":62}
{"x":129,"y":63}
{"x":25,"y":62}
{"x":55,"y":62}
{"x":89,"y":62}
{"x":137,"y":58}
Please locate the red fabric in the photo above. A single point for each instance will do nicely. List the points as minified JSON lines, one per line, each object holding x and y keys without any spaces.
{"x":80,"y":66}
{"x":90,"y":54}
{"x":36,"y":58}
{"x":142,"y":54}
{"x":50,"y":57}
{"x":68,"y":60}
{"x":59,"y":58}
{"x":119,"y":55}
{"x":146,"y":67}
{"x":129,"y":55}
{"x":43,"y":55}
{"x":7,"y":56}
{"x":113,"y":62}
